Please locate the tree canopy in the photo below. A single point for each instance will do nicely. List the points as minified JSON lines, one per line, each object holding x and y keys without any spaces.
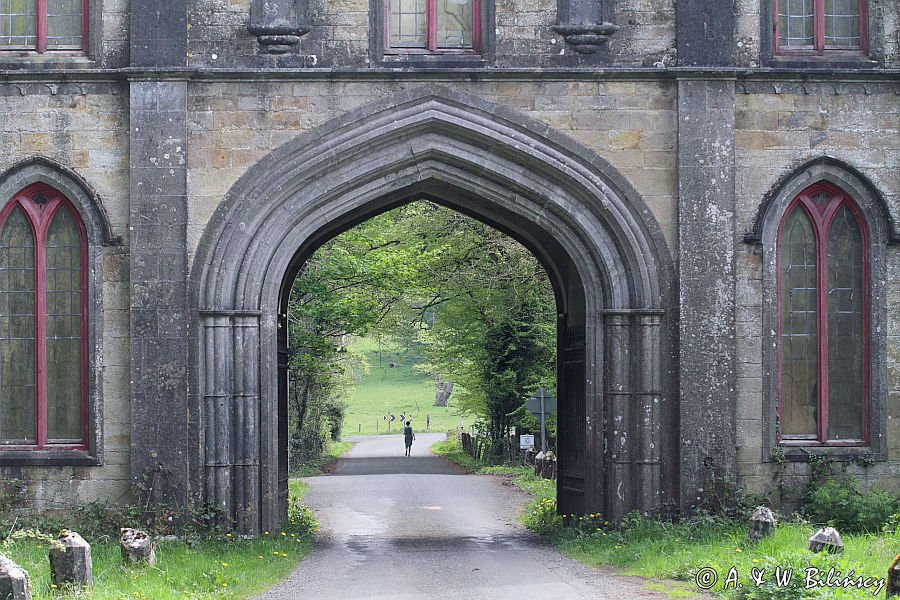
{"x":473,"y":301}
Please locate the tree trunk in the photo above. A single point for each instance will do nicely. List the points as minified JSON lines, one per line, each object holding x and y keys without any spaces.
{"x":442,"y":391}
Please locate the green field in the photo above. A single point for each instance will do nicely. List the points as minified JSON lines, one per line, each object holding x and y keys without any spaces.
{"x":384,"y":390}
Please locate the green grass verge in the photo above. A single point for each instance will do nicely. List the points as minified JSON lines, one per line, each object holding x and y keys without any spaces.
{"x":323,"y":463}
{"x":222,"y":567}
{"x":386,"y":390}
{"x":677,"y":552}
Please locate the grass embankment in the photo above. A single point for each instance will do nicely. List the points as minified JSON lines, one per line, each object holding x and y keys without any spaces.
{"x":198,"y":568}
{"x":323,"y":463}
{"x":700,"y":547}
{"x":399,"y":390}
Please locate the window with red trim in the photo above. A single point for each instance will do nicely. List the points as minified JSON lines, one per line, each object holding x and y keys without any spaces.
{"x":432,"y":26}
{"x":823,"y":322}
{"x":43,"y":322}
{"x":43,"y":25}
{"x":820,"y":26}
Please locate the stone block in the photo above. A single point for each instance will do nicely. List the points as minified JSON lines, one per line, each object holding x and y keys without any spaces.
{"x":137,"y":547}
{"x":827,"y":539}
{"x":14,"y":583}
{"x":70,"y":561}
{"x":762,"y":523}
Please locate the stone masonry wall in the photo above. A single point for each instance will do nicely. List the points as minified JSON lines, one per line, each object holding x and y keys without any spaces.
{"x":84,"y":128}
{"x":631,"y":124}
{"x":778,"y":128}
{"x":340,"y":32}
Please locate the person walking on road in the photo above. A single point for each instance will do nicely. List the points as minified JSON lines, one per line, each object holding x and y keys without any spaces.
{"x":408,"y":437}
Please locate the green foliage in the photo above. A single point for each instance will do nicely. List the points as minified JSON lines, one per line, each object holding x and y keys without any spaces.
{"x":475,"y":303}
{"x":542,"y":517}
{"x":300,"y":519}
{"x":842,"y":505}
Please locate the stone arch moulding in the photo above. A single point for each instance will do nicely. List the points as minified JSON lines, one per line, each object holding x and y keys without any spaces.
{"x":602,"y":248}
{"x":97,"y":227}
{"x":882,"y":232}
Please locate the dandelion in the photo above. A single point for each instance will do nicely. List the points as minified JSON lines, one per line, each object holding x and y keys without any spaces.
{"x":53,"y":585}
{"x":260,"y":555}
{"x":275,"y":552}
{"x":293,"y":535}
{"x":755,"y":560}
{"x":224,"y":584}
{"x":224,"y":564}
{"x":265,"y":533}
{"x":283,"y":534}
{"x":738,"y":550}
{"x":227,"y":535}
{"x":283,"y":554}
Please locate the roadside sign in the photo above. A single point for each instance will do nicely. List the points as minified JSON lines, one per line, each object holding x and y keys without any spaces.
{"x":526,"y":441}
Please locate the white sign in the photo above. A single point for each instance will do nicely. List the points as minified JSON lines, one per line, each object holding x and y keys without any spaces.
{"x":526,"y":441}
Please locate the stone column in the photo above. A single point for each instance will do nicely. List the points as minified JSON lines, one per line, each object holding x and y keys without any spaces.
{"x":705,"y":35}
{"x":706,"y":240}
{"x":618,"y":426}
{"x":648,"y":459}
{"x":158,"y":254}
{"x":217,"y":412}
{"x":246,"y":423}
{"x":278,"y":24}
{"x":585,"y":24}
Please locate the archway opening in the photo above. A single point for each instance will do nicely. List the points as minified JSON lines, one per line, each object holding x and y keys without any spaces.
{"x":600,"y":245}
{"x":533,"y":306}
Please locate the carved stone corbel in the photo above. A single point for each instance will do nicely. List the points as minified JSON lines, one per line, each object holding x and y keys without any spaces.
{"x":278,"y":24}
{"x":584,"y":25}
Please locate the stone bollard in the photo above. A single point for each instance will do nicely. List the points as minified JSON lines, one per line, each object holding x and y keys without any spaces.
{"x":137,"y":547}
{"x":549,"y":466}
{"x":893,"y":578}
{"x":539,"y":464}
{"x":13,"y":581}
{"x":827,"y":539}
{"x":762,"y":523}
{"x":70,"y":561}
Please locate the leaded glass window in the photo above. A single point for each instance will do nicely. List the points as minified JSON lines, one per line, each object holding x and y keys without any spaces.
{"x":820,"y":25}
{"x":42,"y":25}
{"x":433,"y":25}
{"x":43,"y":352}
{"x":823,"y":338}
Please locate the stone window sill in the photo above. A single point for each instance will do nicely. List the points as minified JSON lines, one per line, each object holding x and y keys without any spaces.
{"x":798,"y":453}
{"x":47,"y":458}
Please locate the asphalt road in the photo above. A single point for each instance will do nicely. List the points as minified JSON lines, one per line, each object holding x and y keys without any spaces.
{"x":416,"y":528}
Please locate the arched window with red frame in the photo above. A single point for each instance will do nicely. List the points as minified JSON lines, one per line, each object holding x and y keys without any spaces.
{"x":823,"y":322}
{"x":43,"y":322}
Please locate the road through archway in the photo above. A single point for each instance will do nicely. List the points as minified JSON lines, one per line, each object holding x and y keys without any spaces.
{"x":403,"y":528}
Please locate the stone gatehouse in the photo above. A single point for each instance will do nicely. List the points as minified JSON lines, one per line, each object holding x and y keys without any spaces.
{"x":713,"y":187}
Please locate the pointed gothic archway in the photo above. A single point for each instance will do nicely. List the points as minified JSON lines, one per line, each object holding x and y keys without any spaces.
{"x":599,"y":243}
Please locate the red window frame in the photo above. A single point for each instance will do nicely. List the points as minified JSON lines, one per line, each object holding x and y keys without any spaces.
{"x":40,"y":203}
{"x":41,"y":33}
{"x":821,"y":217}
{"x":819,"y":32}
{"x":431,"y":46}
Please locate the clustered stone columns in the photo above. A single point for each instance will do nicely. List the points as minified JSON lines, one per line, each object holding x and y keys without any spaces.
{"x":231,"y":406}
{"x":278,"y":24}
{"x":584,"y":25}
{"x":633,"y":403}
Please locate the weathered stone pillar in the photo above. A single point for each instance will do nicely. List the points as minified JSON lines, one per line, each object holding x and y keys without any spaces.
{"x":278,"y":24}
{"x":246,"y":423}
{"x":217,"y":412}
{"x":158,"y":255}
{"x":14,"y":584}
{"x":705,"y":35}
{"x":585,"y":24}
{"x":618,"y":427}
{"x":633,"y":396}
{"x":706,"y":239}
{"x":648,"y":467}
